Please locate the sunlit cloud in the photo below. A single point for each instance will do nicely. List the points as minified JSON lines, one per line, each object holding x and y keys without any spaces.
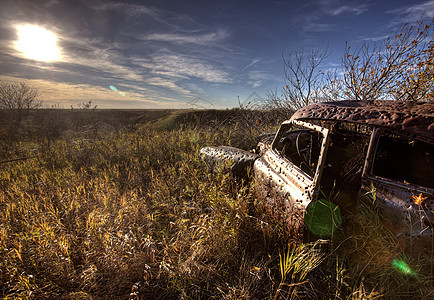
{"x":81,"y":55}
{"x":135,"y":62}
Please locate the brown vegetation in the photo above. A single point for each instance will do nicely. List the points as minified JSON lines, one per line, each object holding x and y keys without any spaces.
{"x":112,"y":211}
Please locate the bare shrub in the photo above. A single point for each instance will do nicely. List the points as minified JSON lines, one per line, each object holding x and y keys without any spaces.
{"x":18,"y":98}
{"x":399,"y":67}
{"x":302,"y":79}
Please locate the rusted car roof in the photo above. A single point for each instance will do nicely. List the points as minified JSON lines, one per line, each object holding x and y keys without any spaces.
{"x":410,"y":117}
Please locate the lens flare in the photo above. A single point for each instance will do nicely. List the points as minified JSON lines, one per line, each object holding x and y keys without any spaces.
{"x":403,"y":267}
{"x":322,"y":217}
{"x":115,"y":89}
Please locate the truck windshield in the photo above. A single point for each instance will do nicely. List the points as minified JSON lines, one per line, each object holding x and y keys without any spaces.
{"x":301,"y":146}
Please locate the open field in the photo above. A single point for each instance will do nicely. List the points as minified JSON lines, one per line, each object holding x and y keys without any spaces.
{"x":113,"y":204}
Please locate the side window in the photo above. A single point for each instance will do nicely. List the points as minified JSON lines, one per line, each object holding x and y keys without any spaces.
{"x":404,"y":159}
{"x":302,"y":147}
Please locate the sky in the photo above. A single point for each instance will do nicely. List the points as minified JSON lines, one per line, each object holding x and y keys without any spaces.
{"x":180,"y":54}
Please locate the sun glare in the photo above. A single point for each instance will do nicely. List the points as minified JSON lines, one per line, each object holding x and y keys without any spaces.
{"x":37,"y":43}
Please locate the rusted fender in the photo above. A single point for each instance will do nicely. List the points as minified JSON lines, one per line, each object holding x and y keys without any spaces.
{"x":235,"y":160}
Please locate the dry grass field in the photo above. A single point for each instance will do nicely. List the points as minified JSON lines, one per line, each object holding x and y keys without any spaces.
{"x":118,"y":205}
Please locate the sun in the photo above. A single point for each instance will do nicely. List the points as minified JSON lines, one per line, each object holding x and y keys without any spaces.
{"x":37,"y":43}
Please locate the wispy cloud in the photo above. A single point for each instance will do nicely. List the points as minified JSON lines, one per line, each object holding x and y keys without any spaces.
{"x":181,"y":66}
{"x":50,"y":3}
{"x":172,"y":20}
{"x":416,"y":12}
{"x":318,"y":27}
{"x":167,"y":83}
{"x":193,"y":87}
{"x":202,"y":39}
{"x":335,"y":8}
{"x":253,"y":62}
{"x":250,"y":64}
{"x":354,"y":10}
{"x":255,"y":84}
{"x":80,"y":54}
{"x":375,"y":38}
{"x":129,"y":9}
{"x":258,"y":78}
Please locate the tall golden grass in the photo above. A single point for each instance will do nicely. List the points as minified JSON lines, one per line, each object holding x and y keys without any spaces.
{"x":137,"y":215}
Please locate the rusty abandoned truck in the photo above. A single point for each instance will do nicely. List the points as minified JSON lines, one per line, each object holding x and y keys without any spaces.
{"x":378,"y":152}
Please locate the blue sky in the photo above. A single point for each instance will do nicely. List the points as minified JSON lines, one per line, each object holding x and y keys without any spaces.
{"x":167,"y":54}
